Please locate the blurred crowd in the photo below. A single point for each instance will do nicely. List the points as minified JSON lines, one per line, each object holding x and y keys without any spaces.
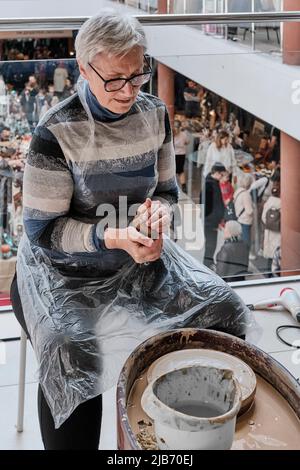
{"x":239,"y":180}
{"x":27,"y":91}
{"x":238,"y":157}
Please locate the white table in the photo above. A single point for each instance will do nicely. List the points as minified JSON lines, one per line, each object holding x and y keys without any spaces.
{"x":263,"y":335}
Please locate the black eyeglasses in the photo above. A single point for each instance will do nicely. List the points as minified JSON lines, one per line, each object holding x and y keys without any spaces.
{"x":116,"y":84}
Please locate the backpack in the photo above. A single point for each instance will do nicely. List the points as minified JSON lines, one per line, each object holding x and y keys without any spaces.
{"x":229,"y":213}
{"x":273,"y":219}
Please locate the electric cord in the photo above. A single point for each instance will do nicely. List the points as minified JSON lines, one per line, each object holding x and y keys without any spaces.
{"x":284,"y":327}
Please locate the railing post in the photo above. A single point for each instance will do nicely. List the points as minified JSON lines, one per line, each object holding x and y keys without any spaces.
{"x":281,"y":27}
{"x":225,"y":10}
{"x":253,"y":25}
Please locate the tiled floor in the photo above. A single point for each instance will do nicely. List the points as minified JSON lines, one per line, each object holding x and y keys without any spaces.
{"x":263,"y":335}
{"x":30,"y":438}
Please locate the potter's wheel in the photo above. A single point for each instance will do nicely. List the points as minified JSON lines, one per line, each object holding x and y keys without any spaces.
{"x":208,"y":357}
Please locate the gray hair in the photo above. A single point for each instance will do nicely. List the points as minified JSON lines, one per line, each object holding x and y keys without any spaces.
{"x":234,"y":228}
{"x":245,"y":180}
{"x":109,"y":31}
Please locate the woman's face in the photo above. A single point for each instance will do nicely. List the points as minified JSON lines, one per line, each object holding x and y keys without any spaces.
{"x":224,"y":141}
{"x":110,"y":67}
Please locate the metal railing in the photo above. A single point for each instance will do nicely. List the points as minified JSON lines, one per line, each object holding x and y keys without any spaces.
{"x":189,"y":19}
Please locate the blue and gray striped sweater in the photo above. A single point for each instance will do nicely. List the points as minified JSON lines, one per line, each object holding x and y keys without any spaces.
{"x":73,"y":167}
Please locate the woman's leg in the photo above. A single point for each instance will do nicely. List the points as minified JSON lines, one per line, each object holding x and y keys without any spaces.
{"x":16,"y":304}
{"x":180,"y":160}
{"x":80,"y":431}
{"x":246,"y":234}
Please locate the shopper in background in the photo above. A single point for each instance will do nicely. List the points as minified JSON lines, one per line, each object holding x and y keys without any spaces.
{"x":59,"y":78}
{"x":192,"y":99}
{"x":220,"y":151}
{"x":232,"y":259}
{"x":244,"y":206}
{"x":181,"y":142}
{"x":271,"y":217}
{"x":226,"y":188}
{"x":214,"y":210}
{"x":276,"y":263}
{"x":264,"y":151}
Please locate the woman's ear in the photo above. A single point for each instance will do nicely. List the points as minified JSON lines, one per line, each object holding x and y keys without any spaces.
{"x":82,"y":70}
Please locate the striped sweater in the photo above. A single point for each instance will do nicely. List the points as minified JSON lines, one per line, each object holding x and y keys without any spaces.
{"x":74,"y":166}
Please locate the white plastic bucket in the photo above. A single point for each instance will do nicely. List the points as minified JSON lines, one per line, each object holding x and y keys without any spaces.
{"x":193,"y":408}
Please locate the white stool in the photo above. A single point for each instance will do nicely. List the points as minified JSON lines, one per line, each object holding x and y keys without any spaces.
{"x":22,"y":373}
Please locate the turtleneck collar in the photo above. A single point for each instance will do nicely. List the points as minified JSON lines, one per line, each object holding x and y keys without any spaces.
{"x":100,"y":113}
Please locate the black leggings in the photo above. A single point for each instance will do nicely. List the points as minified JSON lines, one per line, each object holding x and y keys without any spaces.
{"x":82,"y":429}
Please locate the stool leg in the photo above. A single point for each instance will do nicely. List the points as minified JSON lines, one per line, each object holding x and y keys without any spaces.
{"x":22,"y":372}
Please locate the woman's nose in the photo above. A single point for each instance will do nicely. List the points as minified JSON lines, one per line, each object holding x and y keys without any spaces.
{"x":128,"y":90}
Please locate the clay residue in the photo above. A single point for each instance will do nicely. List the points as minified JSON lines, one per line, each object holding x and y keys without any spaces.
{"x":185,"y":335}
{"x":146,"y":437}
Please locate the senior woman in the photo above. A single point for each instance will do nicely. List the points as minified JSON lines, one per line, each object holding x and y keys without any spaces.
{"x":92,"y":283}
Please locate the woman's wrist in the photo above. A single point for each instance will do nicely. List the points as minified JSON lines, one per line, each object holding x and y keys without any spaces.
{"x":113,"y":238}
{"x":110,"y":238}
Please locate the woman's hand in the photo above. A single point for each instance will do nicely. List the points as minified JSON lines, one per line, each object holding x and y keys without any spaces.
{"x":153,"y":218}
{"x":140,"y":247}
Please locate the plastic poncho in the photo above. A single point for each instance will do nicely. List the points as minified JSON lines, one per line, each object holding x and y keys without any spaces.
{"x":83,"y":328}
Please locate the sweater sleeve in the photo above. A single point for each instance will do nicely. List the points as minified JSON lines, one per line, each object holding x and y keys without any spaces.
{"x":265,"y":210}
{"x":208,"y":160}
{"x":47,"y":193}
{"x":166,"y":190}
{"x":248,"y":203}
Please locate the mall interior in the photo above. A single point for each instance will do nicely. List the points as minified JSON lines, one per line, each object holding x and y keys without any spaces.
{"x":228,"y":72}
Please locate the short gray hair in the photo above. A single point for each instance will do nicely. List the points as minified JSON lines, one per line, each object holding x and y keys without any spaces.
{"x":245,"y":180}
{"x":109,"y":31}
{"x":234,"y":228}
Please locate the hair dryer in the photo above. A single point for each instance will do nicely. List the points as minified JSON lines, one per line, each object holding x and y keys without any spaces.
{"x":289,"y":299}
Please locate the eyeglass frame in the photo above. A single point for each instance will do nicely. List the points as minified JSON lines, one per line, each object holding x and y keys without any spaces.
{"x":122,"y":78}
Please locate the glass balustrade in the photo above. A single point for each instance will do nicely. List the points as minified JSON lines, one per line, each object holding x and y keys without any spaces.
{"x":228,"y":104}
{"x":258,"y":36}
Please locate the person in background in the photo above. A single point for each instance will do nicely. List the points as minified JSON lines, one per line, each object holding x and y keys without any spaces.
{"x":276,"y":263}
{"x":33,"y":85}
{"x":68,"y":89}
{"x":50,"y":93}
{"x":214,"y":210}
{"x":192,"y":100}
{"x":5,"y":134}
{"x":244,"y":206}
{"x":59,"y":78}
{"x":272,"y":237}
{"x":40,"y":101}
{"x":180,"y":145}
{"x":28,"y":103}
{"x":220,"y":151}
{"x":226,"y":188}
{"x":264,"y":150}
{"x":233,"y":257}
